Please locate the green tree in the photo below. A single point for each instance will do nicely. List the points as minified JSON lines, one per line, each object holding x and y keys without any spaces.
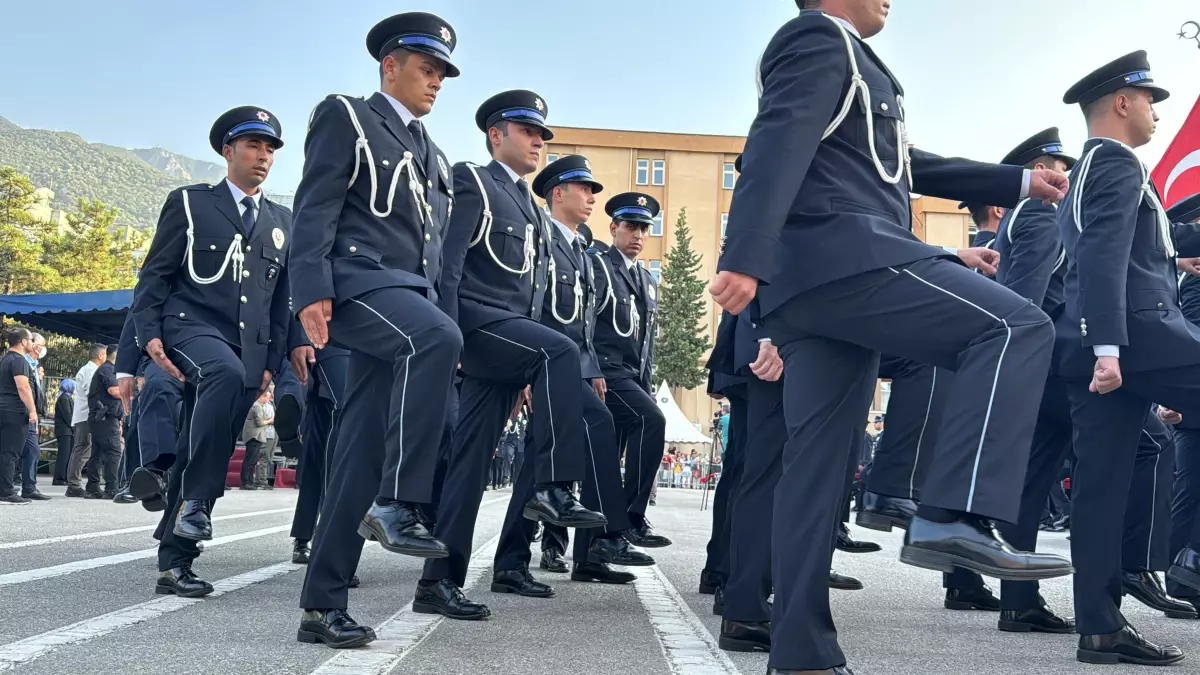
{"x":682,"y":339}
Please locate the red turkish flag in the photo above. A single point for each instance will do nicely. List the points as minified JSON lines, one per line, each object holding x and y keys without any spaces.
{"x":1177,"y":175}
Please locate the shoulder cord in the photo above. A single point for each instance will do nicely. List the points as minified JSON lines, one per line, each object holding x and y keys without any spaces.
{"x":1062,"y":250}
{"x":578,"y":292}
{"x":485,"y":229}
{"x":1160,"y":214}
{"x":361,"y":147}
{"x":859,"y":85}
{"x":634,"y":317}
{"x":234,"y":254}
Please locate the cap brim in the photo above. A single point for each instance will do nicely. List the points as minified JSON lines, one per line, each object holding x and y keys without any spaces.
{"x":636,"y":220}
{"x":1070,"y":161}
{"x":1159,"y":93}
{"x":451,"y":69}
{"x":275,"y":140}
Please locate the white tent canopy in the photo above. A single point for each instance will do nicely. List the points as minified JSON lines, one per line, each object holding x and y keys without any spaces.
{"x":679,"y":428}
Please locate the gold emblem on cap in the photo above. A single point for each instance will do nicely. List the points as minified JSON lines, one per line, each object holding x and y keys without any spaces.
{"x":641,"y":201}
{"x":264,"y":116}
{"x":445,"y":34}
{"x":537,"y":103}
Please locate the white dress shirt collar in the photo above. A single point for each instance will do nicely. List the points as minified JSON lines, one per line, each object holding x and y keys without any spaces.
{"x":405,"y":115}
{"x":629,"y":263}
{"x":849,"y":26}
{"x":239,"y":195}
{"x":516,"y":178}
{"x":566,"y":231}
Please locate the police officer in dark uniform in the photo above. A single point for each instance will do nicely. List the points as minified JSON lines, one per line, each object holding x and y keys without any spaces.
{"x":1121,"y":342}
{"x":626,"y":323}
{"x":498,"y":252}
{"x":210,"y":307}
{"x":842,"y":283}
{"x":154,"y":413}
{"x":372,"y":208}
{"x":569,"y":189}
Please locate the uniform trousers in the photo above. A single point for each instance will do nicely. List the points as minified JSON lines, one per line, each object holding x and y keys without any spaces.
{"x":443,"y":463}
{"x":914,"y":415}
{"x":318,"y":436}
{"x":1147,"y":539}
{"x":158,"y":405}
{"x":732,"y":470}
{"x":934,"y":311}
{"x":1185,"y":501}
{"x":642,"y":426}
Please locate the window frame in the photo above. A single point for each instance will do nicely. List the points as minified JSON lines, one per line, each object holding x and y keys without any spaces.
{"x":728,"y":176}
{"x":638,"y":176}
{"x":658,"y":224}
{"x":656,"y":166}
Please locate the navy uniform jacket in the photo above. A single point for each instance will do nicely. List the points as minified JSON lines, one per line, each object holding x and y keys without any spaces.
{"x":723,"y":362}
{"x":247,"y":309}
{"x":344,"y":249}
{"x":625,"y":294}
{"x":826,"y":199}
{"x":985,"y":239}
{"x":1032,"y":258}
{"x":1189,"y":303}
{"x":1121,"y":284}
{"x":562,"y":304}
{"x":511,"y":232}
{"x":130,"y":358}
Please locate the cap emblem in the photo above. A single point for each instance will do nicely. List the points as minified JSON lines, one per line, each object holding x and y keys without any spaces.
{"x":641,"y":201}
{"x":537,"y":103}
{"x":445,"y":32}
{"x":264,"y":116}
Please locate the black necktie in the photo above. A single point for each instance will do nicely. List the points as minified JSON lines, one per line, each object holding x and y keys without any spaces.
{"x":248,"y":215}
{"x":524,"y":188}
{"x":414,"y":127}
{"x":578,"y":246}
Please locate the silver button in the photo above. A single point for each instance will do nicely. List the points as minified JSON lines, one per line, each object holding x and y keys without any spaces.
{"x":212,"y":247}
{"x":248,"y":249}
{"x":424,"y":262}
{"x":243,"y":299}
{"x":510,"y":228}
{"x":429,"y":184}
{"x":241,"y":325}
{"x":386,"y":163}
{"x":428,"y":238}
{"x":883,"y":106}
{"x":354,"y":249}
{"x":1083,"y":332}
{"x":181,"y":315}
{"x":245,"y":274}
{"x":1160,"y":305}
{"x":564,"y":277}
{"x":276,"y":259}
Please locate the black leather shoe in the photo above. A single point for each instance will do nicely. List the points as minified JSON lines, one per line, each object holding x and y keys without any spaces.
{"x":1125,"y":646}
{"x":300,"y":552}
{"x":193,"y":521}
{"x":644,"y":535}
{"x":183,"y":582}
{"x":36,"y":496}
{"x":333,"y":628}
{"x":838,"y":670}
{"x":973,"y":545}
{"x":398,"y":528}
{"x":847,"y":543}
{"x":557,"y":505}
{"x":250,"y":486}
{"x":719,"y":602}
{"x":742,"y":636}
{"x":980,"y":599}
{"x":123,"y":497}
{"x":1146,"y":588}
{"x":1037,"y":620}
{"x":448,"y":600}
{"x":843,"y":582}
{"x":520,"y":582}
{"x":154,"y":504}
{"x":614,"y":550}
{"x":882,"y":513}
{"x":147,"y":483}
{"x":710,"y":581}
{"x":552,"y":561}
{"x":1186,"y":568}
{"x":75,"y":491}
{"x":600,"y":573}
{"x":93,"y":494}
{"x":355,"y":582}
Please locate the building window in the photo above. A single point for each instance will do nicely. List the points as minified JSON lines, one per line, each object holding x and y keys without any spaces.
{"x":728,"y":176}
{"x":551,"y":158}
{"x":724,"y":223}
{"x":643,"y":172}
{"x":660,"y":172}
{"x":656,"y":270}
{"x":656,"y":230}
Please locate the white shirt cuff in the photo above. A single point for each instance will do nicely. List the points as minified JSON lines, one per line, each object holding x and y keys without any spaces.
{"x":1106,"y":350}
{"x":123,"y":376}
{"x":766,"y":340}
{"x":950,"y":249}
{"x":1025,"y":178}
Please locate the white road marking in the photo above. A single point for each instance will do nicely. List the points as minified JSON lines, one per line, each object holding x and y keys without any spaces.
{"x":686,"y":643}
{"x":104,"y":561}
{"x":128,"y":530}
{"x":24,"y":651}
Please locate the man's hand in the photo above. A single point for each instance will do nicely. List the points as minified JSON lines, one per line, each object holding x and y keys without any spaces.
{"x":1106,"y":376}
{"x":600,"y":386}
{"x":1168,"y":416}
{"x":302,"y":357}
{"x":527,"y":397}
{"x":768,"y":367}
{"x":126,"y":385}
{"x":1189,"y":265}
{"x":733,"y":291}
{"x":33,"y":421}
{"x":266,"y":382}
{"x":983,"y":259}
{"x":158,"y":355}
{"x":1048,"y":186}
{"x":315,"y":318}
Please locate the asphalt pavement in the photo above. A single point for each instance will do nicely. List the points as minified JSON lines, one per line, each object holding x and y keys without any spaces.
{"x":77,"y":578}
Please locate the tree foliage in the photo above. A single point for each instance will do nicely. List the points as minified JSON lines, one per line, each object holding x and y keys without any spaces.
{"x":682,"y":339}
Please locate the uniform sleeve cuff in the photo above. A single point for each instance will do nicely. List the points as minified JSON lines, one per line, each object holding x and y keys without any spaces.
{"x":123,"y":376}
{"x":767,"y":340}
{"x":1026,"y":176}
{"x":1106,"y":350}
{"x":950,"y":249}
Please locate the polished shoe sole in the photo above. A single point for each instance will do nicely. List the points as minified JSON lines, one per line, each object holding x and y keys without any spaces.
{"x":144,"y":485}
{"x":421,"y":608}
{"x":501,"y":588}
{"x":315,"y":638}
{"x":1021,"y":627}
{"x":707,"y":590}
{"x":945,"y":562}
{"x":299,"y":561}
{"x":536,"y":515}
{"x":732,"y":645}
{"x":960,"y":606}
{"x":846,"y":587}
{"x":649,"y":543}
{"x":1108,"y":658}
{"x":190,"y":535}
{"x":861,"y":549}
{"x":588,"y":578}
{"x":367,"y":533}
{"x":1181,"y":615}
{"x":555,"y":570}
{"x":1182,"y":575}
{"x":1169,"y":613}
{"x":631,"y":563}
{"x":154,"y":504}
{"x":166,"y":590}
{"x":879,"y":521}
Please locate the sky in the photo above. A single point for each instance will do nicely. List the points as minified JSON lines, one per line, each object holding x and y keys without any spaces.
{"x":979,"y":76}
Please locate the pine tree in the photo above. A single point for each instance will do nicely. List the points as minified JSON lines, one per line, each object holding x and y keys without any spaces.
{"x":682,"y":339}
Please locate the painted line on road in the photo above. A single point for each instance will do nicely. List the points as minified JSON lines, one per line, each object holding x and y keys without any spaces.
{"x":24,"y":651}
{"x":128,"y":530}
{"x":105,"y":561}
{"x":685,"y":641}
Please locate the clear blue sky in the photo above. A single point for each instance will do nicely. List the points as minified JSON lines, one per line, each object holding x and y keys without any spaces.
{"x":979,"y":76}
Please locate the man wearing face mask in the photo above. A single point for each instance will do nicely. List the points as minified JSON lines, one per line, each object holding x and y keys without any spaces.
{"x":29,"y":457}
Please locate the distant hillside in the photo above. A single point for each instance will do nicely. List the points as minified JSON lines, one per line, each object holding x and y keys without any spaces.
{"x":135,"y":181}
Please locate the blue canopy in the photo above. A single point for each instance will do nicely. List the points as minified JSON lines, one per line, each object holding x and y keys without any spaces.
{"x":95,"y":316}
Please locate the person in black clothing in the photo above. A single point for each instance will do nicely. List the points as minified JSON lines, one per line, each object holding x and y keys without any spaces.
{"x":17,"y":410}
{"x":64,"y":433}
{"x":105,"y":412}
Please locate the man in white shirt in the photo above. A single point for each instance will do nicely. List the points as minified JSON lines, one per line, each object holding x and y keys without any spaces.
{"x":82,"y":452}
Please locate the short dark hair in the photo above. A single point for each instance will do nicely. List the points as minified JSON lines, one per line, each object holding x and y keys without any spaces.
{"x":112,"y":352}
{"x":502,"y":125}
{"x":808,"y":4}
{"x":978,"y":213}
{"x":400,"y":54}
{"x":96,"y":351}
{"x":14,"y":335}
{"x":1045,"y":160}
{"x":1090,"y":110}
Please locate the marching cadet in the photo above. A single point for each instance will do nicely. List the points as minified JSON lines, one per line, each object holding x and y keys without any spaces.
{"x":371,"y":211}
{"x":1122,"y":341}
{"x":626,"y":323}
{"x":569,"y":189}
{"x":154,"y":414}
{"x":498,"y":251}
{"x":855,"y":284}
{"x":211,"y":308}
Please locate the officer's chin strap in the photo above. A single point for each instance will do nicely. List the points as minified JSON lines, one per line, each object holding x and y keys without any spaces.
{"x":234,"y":254}
{"x":578,"y":293}
{"x":1160,"y":214}
{"x":634,"y":317}
{"x":361,"y":147}
{"x":859,"y":85}
{"x":485,"y":229}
